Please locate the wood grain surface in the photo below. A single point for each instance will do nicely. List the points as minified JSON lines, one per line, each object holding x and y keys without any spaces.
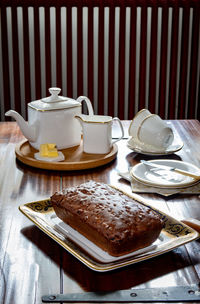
{"x":75,"y":158}
{"x":32,"y":264}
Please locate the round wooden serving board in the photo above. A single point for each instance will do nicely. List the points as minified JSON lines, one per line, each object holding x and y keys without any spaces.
{"x":75,"y":158}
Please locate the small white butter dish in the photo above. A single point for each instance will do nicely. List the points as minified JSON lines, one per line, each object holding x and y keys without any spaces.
{"x":59,"y":158}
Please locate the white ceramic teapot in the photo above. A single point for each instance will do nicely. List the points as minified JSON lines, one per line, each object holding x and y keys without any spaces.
{"x":52,"y":120}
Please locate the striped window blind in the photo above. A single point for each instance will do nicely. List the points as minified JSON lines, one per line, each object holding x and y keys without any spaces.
{"x":123,"y":55}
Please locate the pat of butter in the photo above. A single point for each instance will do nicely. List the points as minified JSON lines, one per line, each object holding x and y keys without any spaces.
{"x":51,"y":146}
{"x":53,"y":153}
{"x":48,"y":150}
{"x":43,"y":150}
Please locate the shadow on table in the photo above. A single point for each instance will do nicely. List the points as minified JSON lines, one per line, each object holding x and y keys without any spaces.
{"x":123,"y":278}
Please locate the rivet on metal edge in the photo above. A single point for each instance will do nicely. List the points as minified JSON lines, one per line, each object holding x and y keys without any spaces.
{"x":52,"y":297}
{"x":133,"y":294}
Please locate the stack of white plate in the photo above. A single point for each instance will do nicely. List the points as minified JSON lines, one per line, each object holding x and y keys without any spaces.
{"x":162,"y":178}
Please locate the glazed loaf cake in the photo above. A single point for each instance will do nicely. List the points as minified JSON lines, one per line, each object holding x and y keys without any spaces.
{"x":112,"y":220}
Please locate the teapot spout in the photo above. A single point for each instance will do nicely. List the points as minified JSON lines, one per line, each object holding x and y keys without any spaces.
{"x":28,"y":131}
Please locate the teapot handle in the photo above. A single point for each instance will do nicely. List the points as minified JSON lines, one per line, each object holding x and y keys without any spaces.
{"x":88,"y":103}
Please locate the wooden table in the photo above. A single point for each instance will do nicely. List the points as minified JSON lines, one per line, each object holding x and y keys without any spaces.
{"x":32,"y":264}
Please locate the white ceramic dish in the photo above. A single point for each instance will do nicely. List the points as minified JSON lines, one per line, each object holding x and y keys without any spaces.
{"x":142,"y":148}
{"x":164,"y":178}
{"x":92,"y":249}
{"x":154,"y":129}
{"x":59,"y":158}
{"x":97,"y":133}
{"x":42,"y":214}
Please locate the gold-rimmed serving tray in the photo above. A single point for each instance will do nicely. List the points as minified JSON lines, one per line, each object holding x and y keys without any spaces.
{"x":75,"y":158}
{"x":174,"y":234}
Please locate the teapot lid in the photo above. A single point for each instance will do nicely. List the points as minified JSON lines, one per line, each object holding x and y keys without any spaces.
{"x":54,"y":102}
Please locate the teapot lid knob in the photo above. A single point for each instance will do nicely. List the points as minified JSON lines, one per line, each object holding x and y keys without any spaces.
{"x":54,"y":95}
{"x":54,"y":91}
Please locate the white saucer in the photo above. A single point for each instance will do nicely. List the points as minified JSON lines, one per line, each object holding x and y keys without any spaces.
{"x":140,"y":147}
{"x":95,"y":251}
{"x":164,"y":178}
{"x":59,"y":158}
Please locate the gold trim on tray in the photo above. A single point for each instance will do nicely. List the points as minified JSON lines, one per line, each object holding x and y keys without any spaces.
{"x":174,"y":234}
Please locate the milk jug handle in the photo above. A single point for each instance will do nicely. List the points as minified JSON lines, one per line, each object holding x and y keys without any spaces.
{"x":121,"y":127}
